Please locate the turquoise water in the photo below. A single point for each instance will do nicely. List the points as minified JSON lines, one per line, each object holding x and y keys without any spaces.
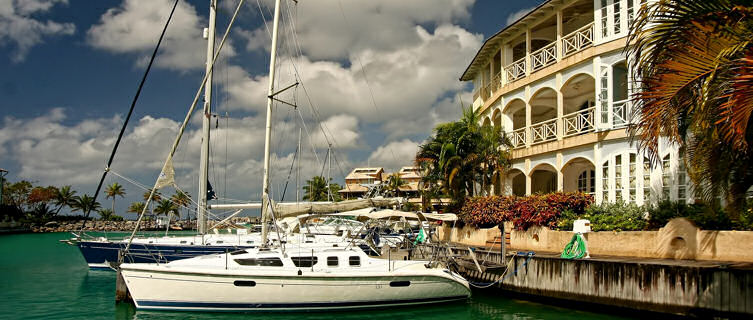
{"x":42,"y":278}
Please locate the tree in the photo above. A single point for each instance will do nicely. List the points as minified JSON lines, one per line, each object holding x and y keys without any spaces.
{"x":85,"y":203}
{"x":156,"y":197}
{"x":316,"y":189}
{"x":105,"y":214}
{"x":166,"y":207}
{"x":460,"y":154}
{"x":394,"y":183}
{"x":113,"y":190}
{"x":64,"y":197}
{"x":181,"y":199}
{"x":695,"y":62}
{"x":136,"y":207}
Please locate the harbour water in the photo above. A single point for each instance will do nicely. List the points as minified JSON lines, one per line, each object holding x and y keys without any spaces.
{"x":42,"y":278}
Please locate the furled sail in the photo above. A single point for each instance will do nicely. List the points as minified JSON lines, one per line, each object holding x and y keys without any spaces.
{"x":292,"y":210}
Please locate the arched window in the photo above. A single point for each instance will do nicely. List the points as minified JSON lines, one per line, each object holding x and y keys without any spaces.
{"x":665,"y":177}
{"x":646,"y":180}
{"x":586,"y":181}
{"x":605,"y":181}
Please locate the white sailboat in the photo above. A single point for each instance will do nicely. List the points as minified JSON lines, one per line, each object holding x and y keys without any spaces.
{"x":273,"y":278}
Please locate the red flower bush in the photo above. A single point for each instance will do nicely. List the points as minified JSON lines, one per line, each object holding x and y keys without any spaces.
{"x":524,"y":212}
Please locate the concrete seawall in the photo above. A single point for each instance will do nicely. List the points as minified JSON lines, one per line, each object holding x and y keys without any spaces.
{"x":668,"y":286}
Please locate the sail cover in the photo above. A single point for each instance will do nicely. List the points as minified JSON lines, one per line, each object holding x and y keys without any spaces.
{"x":293,"y":210}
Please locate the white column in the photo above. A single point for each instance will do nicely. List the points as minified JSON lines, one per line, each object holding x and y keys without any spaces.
{"x":529,"y":137}
{"x":560,"y":107}
{"x":559,"y":35}
{"x":528,"y":51}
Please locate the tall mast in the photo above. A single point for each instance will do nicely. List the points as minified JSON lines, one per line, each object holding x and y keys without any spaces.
{"x":201,"y":214}
{"x":265,"y":205}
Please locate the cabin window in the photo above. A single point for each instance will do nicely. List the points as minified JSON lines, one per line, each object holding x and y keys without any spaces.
{"x":263,"y":262}
{"x":249,"y":242}
{"x":238,"y":252}
{"x":332,"y":261}
{"x":399,"y":283}
{"x":220,"y":242}
{"x":244,"y":283}
{"x":303,"y":262}
{"x":183,"y":242}
{"x":354,"y":261}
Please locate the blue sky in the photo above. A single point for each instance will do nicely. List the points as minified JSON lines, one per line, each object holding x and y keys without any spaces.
{"x":70,"y":70}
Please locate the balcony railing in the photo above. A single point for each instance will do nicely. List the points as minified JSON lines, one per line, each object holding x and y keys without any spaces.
{"x":621,"y":113}
{"x":518,"y":138}
{"x":578,"y":122}
{"x":516,"y":70}
{"x":578,"y":40}
{"x":496,"y":83}
{"x":544,"y":131}
{"x":544,"y":57}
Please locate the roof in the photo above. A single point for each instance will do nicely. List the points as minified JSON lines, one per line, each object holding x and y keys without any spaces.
{"x":491,"y":44}
{"x":364,"y":173}
{"x":410,"y":173}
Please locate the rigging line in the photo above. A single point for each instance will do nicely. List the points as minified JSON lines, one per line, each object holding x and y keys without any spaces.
{"x":292,"y":164}
{"x":130,"y":111}
{"x":264,"y":18}
{"x":176,"y":142}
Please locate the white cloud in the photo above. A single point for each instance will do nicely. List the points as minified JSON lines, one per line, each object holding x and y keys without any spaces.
{"x":334,"y":29}
{"x":344,"y":129}
{"x":135,"y":26}
{"x":21,"y":26}
{"x":512,"y":17}
{"x":394,"y":155}
{"x":409,"y":85}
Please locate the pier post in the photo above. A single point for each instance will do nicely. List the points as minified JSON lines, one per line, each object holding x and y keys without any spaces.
{"x":502,"y":243}
{"x":121,"y":290}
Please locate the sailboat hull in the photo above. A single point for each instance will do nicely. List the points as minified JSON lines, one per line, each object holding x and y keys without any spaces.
{"x":309,"y":291}
{"x":99,"y":254}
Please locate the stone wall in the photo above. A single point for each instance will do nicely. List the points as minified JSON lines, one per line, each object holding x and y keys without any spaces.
{"x":679,"y":239}
{"x":54,"y":226}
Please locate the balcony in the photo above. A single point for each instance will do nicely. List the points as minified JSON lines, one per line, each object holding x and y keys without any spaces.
{"x":572,"y":124}
{"x":568,"y":45}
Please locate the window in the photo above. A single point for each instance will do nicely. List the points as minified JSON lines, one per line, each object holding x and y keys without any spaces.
{"x":399,"y":283}
{"x":586,"y":181}
{"x":618,"y":177}
{"x":304,"y":262}
{"x":616,"y":12}
{"x":604,"y":19}
{"x":332,"y":261}
{"x":682,"y":186}
{"x":604,"y":94}
{"x":665,"y":174}
{"x":220,"y":242}
{"x":263,"y":262}
{"x":632,"y":177}
{"x":354,"y":261}
{"x":646,"y":180}
{"x":605,"y":181}
{"x":630,"y":13}
{"x":244,"y":283}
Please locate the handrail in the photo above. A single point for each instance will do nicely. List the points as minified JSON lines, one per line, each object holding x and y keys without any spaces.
{"x":518,"y":137}
{"x":516,"y":70}
{"x":577,"y":40}
{"x":544,"y":56}
{"x":621,"y":113}
{"x":578,"y":122}
{"x":544,"y":131}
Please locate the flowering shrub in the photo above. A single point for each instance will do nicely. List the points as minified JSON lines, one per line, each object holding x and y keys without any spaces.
{"x":524,"y":212}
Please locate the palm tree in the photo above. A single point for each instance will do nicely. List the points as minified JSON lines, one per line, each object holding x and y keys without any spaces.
{"x":65,"y":197}
{"x":113,"y":190}
{"x":394,"y":183}
{"x":317,"y":189}
{"x":156,"y":197}
{"x":85,"y":204}
{"x":105,"y":214}
{"x":136,"y":207}
{"x":166,"y":207}
{"x":695,"y":62}
{"x":460,"y":153}
{"x":181,"y":199}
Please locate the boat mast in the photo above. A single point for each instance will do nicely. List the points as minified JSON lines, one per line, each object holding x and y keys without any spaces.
{"x":265,"y":204}
{"x":201,"y":214}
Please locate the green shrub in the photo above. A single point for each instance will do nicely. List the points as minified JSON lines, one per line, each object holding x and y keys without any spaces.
{"x":618,"y":216}
{"x":707,"y":217}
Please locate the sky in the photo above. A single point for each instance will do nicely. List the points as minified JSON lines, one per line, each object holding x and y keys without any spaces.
{"x":374,"y":78}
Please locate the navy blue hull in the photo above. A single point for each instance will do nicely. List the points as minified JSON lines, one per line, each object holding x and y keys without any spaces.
{"x":99,"y":254}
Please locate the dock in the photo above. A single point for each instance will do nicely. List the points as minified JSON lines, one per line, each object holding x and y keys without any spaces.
{"x":682,"y":287}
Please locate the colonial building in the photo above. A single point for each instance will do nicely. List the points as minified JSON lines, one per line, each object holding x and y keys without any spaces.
{"x":558,"y":82}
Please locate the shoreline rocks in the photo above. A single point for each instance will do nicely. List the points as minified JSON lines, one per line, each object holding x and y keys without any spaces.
{"x":95,"y":225}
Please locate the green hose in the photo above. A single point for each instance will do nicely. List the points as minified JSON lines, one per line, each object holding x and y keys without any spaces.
{"x":575,"y":249}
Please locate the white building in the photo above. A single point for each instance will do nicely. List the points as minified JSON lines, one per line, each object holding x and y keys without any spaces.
{"x":557,"y":82}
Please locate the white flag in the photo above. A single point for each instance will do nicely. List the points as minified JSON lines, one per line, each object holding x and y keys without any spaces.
{"x":167,"y":176}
